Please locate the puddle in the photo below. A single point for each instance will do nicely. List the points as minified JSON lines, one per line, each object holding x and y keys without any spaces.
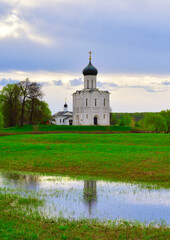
{"x":70,"y":198}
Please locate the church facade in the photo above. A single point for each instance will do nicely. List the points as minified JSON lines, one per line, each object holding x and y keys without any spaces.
{"x":90,"y":105}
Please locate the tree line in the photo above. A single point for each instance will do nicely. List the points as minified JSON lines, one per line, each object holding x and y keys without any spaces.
{"x":22,"y":103}
{"x":151,"y":122}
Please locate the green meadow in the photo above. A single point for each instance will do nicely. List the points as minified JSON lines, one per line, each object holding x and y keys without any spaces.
{"x":64,"y":128}
{"x":17,"y":222}
{"x":126,"y":157}
{"x":119,"y":157}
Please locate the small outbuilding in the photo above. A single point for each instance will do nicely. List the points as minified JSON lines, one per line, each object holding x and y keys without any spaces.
{"x":63,"y":117}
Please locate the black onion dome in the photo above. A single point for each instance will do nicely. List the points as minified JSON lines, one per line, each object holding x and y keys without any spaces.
{"x":65,"y":105}
{"x":90,"y":70}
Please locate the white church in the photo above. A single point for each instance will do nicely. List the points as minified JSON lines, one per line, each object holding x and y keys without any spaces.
{"x":90,"y":105}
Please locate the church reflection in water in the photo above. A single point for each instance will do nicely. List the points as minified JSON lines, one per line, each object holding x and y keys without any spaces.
{"x":90,"y":194}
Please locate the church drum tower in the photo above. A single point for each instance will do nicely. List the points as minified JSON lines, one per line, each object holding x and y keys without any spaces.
{"x":90,"y":105}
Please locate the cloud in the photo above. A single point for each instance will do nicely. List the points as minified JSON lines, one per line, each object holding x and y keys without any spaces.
{"x":76,"y":82}
{"x":106,"y":85}
{"x":47,"y":35}
{"x":13,"y":26}
{"x":113,"y":85}
{"x":147,"y":88}
{"x":166,"y":83}
{"x":51,"y":83}
{"x":57,"y":82}
{"x":4,"y":81}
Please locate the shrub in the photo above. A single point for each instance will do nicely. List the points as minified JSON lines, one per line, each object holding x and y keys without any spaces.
{"x":1,"y":119}
{"x":155,"y":123}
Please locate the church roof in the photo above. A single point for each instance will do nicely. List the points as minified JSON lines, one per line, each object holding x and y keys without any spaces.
{"x":62,"y":114}
{"x":90,"y":70}
{"x":68,"y":117}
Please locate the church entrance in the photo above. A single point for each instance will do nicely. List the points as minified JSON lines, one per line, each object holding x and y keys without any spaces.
{"x":95,"y":121}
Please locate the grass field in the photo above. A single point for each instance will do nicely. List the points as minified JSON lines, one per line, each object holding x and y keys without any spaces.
{"x":17,"y":222}
{"x":125,"y":157}
{"x":62,"y":128}
{"x":121,"y":157}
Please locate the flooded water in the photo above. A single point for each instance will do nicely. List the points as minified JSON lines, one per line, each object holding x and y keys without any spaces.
{"x":70,"y":198}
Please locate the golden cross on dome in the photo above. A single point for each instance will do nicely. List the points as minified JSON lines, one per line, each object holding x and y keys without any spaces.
{"x":90,"y":53}
{"x":65,"y":100}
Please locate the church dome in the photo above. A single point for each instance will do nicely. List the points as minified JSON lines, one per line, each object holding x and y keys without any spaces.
{"x":90,"y":70}
{"x":65,"y":105}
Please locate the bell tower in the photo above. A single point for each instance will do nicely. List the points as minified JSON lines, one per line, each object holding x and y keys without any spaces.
{"x":65,"y":107}
{"x":90,"y":75}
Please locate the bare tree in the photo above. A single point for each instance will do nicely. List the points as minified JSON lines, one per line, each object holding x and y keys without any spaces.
{"x":25,"y":89}
{"x":35,"y":92}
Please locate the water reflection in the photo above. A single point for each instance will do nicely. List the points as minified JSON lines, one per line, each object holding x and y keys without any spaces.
{"x":70,"y":198}
{"x":90,"y":194}
{"x":28,"y":181}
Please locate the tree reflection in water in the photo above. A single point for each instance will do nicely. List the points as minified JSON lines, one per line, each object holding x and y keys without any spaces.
{"x":28,"y":180}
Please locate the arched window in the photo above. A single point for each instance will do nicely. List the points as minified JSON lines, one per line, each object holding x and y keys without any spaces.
{"x":104,"y":102}
{"x":87,"y":83}
{"x":86,"y":102}
{"x":95,"y":102}
{"x":86,"y":115}
{"x":104,"y":116}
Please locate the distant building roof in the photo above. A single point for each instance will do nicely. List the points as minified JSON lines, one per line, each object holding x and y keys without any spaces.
{"x":62,"y":114}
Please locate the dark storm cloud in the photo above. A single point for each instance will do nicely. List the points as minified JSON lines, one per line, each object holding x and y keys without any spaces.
{"x":76,"y":82}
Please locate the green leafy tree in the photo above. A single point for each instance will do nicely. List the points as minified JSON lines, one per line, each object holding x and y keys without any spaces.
{"x":1,"y":117}
{"x":125,"y":120}
{"x":114,"y":119}
{"x":41,"y":112}
{"x":133,"y":123}
{"x":140,"y":124}
{"x":166,"y":115}
{"x":11,"y":104}
{"x":155,"y":123}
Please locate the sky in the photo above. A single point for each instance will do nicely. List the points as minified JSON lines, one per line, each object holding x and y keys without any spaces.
{"x":48,"y":42}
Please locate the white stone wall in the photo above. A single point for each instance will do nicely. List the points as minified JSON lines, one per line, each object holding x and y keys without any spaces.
{"x":67,"y":121}
{"x":89,"y":103}
{"x":59,"y":120}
